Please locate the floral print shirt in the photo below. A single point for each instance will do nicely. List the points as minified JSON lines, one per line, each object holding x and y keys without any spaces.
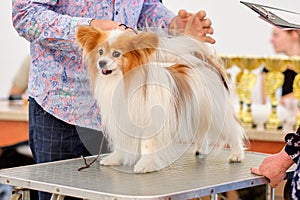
{"x":58,"y":80}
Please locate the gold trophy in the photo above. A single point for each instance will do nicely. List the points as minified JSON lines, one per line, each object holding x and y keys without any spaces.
{"x":245,"y":82}
{"x":274,"y":80}
{"x":240,"y":92}
{"x":295,"y":62}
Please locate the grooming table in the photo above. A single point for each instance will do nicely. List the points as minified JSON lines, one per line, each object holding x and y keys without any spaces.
{"x":186,"y":178}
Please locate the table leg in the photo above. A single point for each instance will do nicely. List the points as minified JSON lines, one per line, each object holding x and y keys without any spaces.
{"x":272,"y":194}
{"x":57,"y":197}
{"x":20,"y":193}
{"x":214,"y":197}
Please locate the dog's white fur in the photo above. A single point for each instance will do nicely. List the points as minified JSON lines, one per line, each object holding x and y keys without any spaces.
{"x":155,"y":92}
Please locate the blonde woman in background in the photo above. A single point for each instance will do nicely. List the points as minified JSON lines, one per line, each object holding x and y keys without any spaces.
{"x":286,"y":42}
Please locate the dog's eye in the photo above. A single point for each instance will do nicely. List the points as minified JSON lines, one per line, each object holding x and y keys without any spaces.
{"x":116,"y":54}
{"x":101,"y":52}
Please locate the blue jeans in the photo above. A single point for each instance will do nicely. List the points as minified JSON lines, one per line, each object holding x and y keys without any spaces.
{"x":51,"y":139}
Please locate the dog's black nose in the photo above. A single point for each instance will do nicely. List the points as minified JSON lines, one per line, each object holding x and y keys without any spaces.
{"x":102,"y":63}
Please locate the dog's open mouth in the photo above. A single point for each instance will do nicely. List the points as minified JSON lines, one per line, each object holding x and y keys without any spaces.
{"x":106,"y":71}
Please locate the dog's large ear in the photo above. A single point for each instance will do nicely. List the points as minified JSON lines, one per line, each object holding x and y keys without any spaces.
{"x":144,"y":41}
{"x":89,"y":37}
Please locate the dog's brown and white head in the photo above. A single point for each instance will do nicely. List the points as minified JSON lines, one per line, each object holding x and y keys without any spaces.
{"x":115,"y":52}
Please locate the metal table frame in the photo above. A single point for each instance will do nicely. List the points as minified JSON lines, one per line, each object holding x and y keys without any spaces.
{"x":188,"y":177}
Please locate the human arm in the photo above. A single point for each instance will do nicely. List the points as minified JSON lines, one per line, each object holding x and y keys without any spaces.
{"x":274,"y":167}
{"x":37,"y":21}
{"x":155,"y":14}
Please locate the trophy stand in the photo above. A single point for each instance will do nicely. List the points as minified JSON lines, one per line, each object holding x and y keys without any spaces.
{"x":274,"y":80}
{"x":245,"y":86}
{"x":249,"y":79}
{"x":240,"y":92}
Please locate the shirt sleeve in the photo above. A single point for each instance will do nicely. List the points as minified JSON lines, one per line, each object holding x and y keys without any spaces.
{"x":37,"y":22}
{"x":155,"y":14}
{"x":292,"y":146}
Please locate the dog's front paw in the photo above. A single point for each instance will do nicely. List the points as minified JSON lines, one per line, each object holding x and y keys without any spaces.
{"x":236,"y":158}
{"x":112,"y":159}
{"x":144,"y":165}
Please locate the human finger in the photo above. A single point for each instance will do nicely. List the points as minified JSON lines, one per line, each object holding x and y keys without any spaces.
{"x":206,"y":22}
{"x":273,"y":184}
{"x":183,"y":14}
{"x":201,"y":14}
{"x":205,"y":34}
{"x":208,"y":39}
{"x":209,"y":30}
{"x":255,"y":170}
{"x":203,"y":31}
{"x":104,"y":24}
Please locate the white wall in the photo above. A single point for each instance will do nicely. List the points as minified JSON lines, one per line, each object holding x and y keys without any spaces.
{"x":238,"y":31}
{"x":13,"y":48}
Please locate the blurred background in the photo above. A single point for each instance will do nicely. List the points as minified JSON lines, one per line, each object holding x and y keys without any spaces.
{"x":13,"y":49}
{"x":238,"y":31}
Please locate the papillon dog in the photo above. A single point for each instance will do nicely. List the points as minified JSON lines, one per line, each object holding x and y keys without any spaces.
{"x":156,"y":91}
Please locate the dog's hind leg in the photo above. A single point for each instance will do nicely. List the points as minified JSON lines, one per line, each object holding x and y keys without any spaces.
{"x":237,"y":150}
{"x":235,"y":136}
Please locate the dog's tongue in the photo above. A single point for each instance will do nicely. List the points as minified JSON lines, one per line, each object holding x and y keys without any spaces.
{"x":106,"y":71}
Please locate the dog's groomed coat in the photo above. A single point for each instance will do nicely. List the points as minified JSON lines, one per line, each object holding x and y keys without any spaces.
{"x":156,"y":91}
